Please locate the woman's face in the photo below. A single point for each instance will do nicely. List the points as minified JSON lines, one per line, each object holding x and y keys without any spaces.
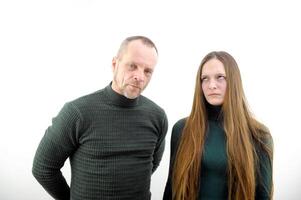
{"x":214,"y":82}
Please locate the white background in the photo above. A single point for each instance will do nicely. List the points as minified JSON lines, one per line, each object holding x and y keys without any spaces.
{"x":55,"y":51}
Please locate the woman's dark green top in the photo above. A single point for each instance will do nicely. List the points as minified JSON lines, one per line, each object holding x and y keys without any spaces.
{"x":214,"y":173}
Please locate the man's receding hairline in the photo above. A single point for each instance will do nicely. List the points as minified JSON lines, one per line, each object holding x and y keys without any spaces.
{"x":144,"y":40}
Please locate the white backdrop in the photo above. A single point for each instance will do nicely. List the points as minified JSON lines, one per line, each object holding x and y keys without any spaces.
{"x":55,"y":51}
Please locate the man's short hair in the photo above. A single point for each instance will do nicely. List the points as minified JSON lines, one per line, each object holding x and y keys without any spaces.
{"x":148,"y":42}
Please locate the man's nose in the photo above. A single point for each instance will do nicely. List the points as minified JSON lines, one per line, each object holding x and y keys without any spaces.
{"x":139,"y":75}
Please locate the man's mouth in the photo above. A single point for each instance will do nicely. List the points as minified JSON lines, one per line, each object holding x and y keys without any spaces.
{"x":135,"y":86}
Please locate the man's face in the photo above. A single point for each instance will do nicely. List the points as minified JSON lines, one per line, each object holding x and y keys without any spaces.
{"x":133,"y":69}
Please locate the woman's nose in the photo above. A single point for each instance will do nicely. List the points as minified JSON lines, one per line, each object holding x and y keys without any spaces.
{"x":212,"y":84}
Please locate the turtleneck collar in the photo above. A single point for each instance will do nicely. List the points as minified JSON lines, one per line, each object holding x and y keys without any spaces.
{"x":214,"y":112}
{"x":118,"y":99}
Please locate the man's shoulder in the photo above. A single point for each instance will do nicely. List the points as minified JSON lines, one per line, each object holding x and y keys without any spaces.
{"x":150,"y":105}
{"x":89,"y":99}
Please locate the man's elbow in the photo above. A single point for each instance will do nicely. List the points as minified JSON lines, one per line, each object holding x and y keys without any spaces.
{"x":40,"y":172}
{"x":37,"y":172}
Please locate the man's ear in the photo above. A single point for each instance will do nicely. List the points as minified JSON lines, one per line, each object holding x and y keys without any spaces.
{"x":114,"y":63}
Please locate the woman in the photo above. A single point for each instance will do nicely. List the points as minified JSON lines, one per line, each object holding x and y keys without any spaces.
{"x":220,"y":151}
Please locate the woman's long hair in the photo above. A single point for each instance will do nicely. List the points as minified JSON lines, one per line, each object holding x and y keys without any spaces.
{"x":244,"y":134}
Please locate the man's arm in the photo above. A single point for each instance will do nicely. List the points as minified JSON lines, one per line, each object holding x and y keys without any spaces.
{"x":160,"y":145}
{"x":58,"y":143}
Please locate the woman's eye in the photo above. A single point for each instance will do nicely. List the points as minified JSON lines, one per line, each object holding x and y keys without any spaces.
{"x":221,"y":77}
{"x":204,"y":79}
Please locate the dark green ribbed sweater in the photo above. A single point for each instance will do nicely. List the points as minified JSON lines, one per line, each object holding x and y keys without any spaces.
{"x":213,"y":180}
{"x":114,"y":145}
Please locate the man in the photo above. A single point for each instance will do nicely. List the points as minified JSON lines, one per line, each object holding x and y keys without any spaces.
{"x":113,"y":137}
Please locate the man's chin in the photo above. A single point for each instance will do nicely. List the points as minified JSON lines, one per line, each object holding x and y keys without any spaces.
{"x":132,"y":92}
{"x":131,"y":96}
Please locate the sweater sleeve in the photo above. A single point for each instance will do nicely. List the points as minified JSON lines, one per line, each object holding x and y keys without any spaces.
{"x":158,"y":153}
{"x":57,"y":144}
{"x":265,"y":178}
{"x":176,"y":132}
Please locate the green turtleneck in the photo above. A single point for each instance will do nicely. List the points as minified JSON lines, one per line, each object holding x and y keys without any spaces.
{"x":213,"y":176}
{"x":114,"y":145}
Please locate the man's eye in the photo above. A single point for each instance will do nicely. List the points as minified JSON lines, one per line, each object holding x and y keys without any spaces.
{"x":148,"y":72}
{"x":132,"y":66}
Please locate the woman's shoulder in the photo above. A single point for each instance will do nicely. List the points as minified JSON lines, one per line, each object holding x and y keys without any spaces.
{"x":264,"y":143}
{"x":179,"y":125}
{"x":177,"y":130}
{"x":265,"y":135}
